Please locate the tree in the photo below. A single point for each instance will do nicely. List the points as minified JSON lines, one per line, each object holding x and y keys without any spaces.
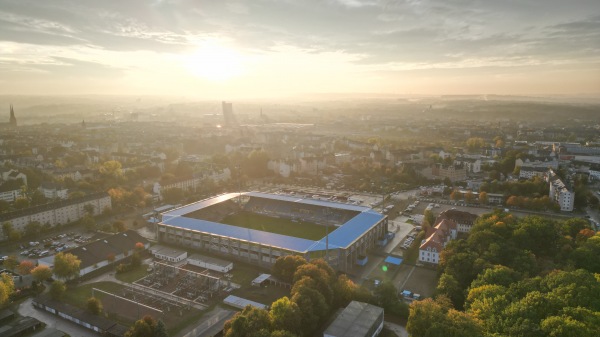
{"x":57,"y":289}
{"x":161,"y":329}
{"x":11,"y":262}
{"x":7,"y":288}
{"x":88,"y":222}
{"x":143,"y":327}
{"x":66,"y":265}
{"x":285,"y":315}
{"x":7,"y":229}
{"x":89,"y":209}
{"x":119,"y":226}
{"x":41,"y":273}
{"x":285,"y":267}
{"x":33,"y":229}
{"x":111,"y":169}
{"x":94,"y":305}
{"x":483,"y":198}
{"x":387,"y":297}
{"x":25,"y":267}
{"x":250,"y":322}
{"x":469,"y":197}
{"x":455,"y":195}
{"x":21,"y":203}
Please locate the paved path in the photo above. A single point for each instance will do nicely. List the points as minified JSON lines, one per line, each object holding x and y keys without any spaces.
{"x":211,"y":323}
{"x":399,"y":330}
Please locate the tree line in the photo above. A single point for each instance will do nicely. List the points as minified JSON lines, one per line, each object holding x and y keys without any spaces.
{"x":516,"y":277}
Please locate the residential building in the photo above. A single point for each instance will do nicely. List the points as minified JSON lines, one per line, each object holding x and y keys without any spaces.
{"x":59,"y":212}
{"x":527,"y":172}
{"x":452,"y":172}
{"x":437,"y":238}
{"x":53,"y":191}
{"x":560,"y":193}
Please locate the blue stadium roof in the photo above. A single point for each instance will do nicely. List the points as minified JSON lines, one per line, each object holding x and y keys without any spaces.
{"x":341,"y":237}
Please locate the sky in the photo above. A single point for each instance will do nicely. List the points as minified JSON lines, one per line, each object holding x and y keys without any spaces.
{"x":276,"y":48}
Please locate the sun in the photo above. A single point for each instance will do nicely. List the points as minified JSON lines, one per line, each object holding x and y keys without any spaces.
{"x":215,"y":61}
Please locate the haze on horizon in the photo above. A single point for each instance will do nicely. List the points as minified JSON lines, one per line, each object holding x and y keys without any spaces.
{"x":269,"y":48}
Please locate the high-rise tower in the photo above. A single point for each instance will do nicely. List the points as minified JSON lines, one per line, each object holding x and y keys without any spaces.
{"x":230,"y":120}
{"x":13,"y":119}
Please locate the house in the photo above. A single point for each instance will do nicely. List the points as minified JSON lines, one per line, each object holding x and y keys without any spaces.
{"x":473,"y":165}
{"x":437,"y":238}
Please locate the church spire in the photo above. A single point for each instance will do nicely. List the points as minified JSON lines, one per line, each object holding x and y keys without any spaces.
{"x":13,"y":119}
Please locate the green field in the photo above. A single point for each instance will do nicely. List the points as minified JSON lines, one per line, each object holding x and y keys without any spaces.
{"x":304,"y":230}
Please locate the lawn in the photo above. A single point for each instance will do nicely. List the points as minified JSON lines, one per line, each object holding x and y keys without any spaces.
{"x":300,"y":229}
{"x":79,"y":296}
{"x":132,"y":275}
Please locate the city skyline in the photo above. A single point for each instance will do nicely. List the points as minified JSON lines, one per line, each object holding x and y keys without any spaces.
{"x":264,"y":49}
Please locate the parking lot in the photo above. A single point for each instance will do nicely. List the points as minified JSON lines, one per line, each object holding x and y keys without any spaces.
{"x":48,"y":245}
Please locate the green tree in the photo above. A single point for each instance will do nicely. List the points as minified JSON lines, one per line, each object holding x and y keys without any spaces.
{"x":386,"y":295}
{"x":111,"y":169}
{"x":285,"y":315}
{"x":66,"y":265}
{"x":285,"y":267}
{"x":250,"y":322}
{"x":21,"y":203}
{"x":161,"y":329}
{"x":88,"y":222}
{"x":143,"y":327}
{"x":57,"y":289}
{"x":11,"y":262}
{"x":7,"y":229}
{"x":89,"y":209}
{"x":33,"y":229}
{"x":94,"y":305}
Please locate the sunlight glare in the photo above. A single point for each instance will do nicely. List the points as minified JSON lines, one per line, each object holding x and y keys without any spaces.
{"x":215,"y":62}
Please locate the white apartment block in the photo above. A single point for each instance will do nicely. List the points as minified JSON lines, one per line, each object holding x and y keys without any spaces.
{"x":560,"y":193}
{"x":60,"y":212}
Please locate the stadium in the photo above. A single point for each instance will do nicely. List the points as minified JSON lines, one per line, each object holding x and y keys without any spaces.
{"x":258,"y":228}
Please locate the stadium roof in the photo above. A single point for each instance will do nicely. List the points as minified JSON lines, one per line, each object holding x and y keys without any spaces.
{"x":341,"y":237}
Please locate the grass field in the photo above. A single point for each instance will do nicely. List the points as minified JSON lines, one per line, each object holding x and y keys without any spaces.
{"x":305,"y":230}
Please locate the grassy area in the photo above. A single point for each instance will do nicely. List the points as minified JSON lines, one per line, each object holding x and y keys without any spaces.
{"x":78,"y":296}
{"x":243,"y":274}
{"x":132,"y":275}
{"x":300,"y":229}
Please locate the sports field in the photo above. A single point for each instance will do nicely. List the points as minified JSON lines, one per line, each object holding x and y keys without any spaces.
{"x":300,"y":229}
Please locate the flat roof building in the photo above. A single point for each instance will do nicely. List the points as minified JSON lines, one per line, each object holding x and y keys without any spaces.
{"x":358,"y":319}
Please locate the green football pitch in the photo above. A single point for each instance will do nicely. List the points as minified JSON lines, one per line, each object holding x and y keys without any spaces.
{"x":300,"y":229}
